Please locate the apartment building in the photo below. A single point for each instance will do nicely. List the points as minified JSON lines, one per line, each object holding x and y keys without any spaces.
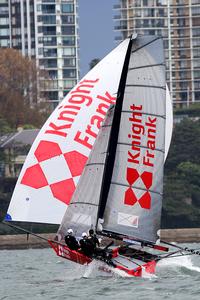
{"x":178,"y":21}
{"x":46,"y":30}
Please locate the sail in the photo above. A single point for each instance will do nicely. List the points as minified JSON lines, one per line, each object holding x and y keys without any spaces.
{"x":134,"y":199}
{"x":169,"y":122}
{"x":81,"y":214}
{"x":58,"y":155}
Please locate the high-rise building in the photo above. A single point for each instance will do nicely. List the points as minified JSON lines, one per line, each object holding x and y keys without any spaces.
{"x":46,"y":30}
{"x":178,"y":21}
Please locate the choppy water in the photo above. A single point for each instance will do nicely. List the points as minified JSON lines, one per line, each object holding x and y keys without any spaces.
{"x":39,"y":274}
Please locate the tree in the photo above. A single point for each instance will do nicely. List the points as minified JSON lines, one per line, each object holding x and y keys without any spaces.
{"x":181,"y":203}
{"x":94,"y":62}
{"x":4,"y":126}
{"x":19,"y":89}
{"x":185,"y":144}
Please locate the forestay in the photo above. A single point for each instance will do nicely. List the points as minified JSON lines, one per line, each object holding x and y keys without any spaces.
{"x":134,"y":200}
{"x":57,"y":158}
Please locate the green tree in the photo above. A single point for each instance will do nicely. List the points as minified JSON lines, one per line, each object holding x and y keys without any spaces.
{"x":185,"y":145}
{"x":181,"y":200}
{"x":94,"y":62}
{"x":4,"y":126}
{"x":189,"y":173}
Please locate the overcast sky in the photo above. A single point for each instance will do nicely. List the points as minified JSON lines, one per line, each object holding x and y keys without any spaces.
{"x":96,"y":28}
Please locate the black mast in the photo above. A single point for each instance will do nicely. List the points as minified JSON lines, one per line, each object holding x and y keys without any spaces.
{"x":112,"y":145}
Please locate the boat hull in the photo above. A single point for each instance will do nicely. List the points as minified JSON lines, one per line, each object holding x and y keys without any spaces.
{"x":63,"y":251}
{"x":132,"y":267}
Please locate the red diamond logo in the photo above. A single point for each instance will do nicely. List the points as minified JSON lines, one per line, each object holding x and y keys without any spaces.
{"x":132,"y":175}
{"x":47,"y":150}
{"x":145,"y":201}
{"x":130,"y":198}
{"x":34,"y":177}
{"x":147,"y":179}
{"x":63,"y":190}
{"x":76,"y":162}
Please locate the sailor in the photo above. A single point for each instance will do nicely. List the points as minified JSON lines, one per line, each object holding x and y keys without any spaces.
{"x":71,"y":241}
{"x":93,"y":238}
{"x":86,"y":245}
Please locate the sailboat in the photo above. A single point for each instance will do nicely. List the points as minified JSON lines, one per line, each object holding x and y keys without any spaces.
{"x":98,"y":160}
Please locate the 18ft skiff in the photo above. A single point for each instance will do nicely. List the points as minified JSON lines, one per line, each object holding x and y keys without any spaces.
{"x":118,"y":166}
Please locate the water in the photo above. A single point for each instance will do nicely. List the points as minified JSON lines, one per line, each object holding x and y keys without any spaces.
{"x":39,"y":274}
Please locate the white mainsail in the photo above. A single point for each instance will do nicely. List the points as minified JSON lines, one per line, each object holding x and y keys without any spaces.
{"x":134,"y":200}
{"x":58,"y":155}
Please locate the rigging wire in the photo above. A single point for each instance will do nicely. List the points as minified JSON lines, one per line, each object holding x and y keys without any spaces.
{"x":24,"y":230}
{"x":185,"y":249}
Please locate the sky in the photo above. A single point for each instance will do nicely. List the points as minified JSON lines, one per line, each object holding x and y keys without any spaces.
{"x":96,"y":29}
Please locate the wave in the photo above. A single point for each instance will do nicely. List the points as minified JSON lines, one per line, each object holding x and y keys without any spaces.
{"x":97,"y":268}
{"x":182,"y":261}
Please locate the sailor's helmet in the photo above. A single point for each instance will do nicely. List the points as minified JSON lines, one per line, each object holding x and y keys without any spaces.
{"x":84,"y":234}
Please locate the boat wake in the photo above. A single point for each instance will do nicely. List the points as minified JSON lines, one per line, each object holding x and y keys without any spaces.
{"x":148,"y":275}
{"x":97,"y":268}
{"x":182,"y":262}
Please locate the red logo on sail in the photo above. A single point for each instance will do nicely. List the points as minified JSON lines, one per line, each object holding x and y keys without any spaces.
{"x":141,"y":154}
{"x":130,"y":198}
{"x":49,"y":157}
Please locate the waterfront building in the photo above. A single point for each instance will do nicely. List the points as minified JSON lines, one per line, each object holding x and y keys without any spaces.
{"x":178,"y":21}
{"x":46,"y":30}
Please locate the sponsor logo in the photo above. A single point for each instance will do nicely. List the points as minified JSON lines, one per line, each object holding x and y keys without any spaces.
{"x":41,"y":175}
{"x":68,"y":113}
{"x":63,"y":252}
{"x":62,"y":128}
{"x":142,"y":136}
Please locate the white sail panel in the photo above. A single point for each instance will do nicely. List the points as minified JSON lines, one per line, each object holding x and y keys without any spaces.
{"x":136,"y":184}
{"x":57,"y":157}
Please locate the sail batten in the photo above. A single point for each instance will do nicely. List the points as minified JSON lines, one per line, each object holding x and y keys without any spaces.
{"x":85,"y":203}
{"x":140,"y":146}
{"x":145,"y":44}
{"x":135,"y":187}
{"x":92,"y":164}
{"x":146,"y":86}
{"x":146,"y":113}
{"x":147,"y":66}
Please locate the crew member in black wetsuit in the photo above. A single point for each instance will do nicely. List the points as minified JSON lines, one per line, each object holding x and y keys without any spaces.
{"x":86,"y":245}
{"x":93,"y":238}
{"x":71,"y":241}
{"x":95,"y":243}
{"x":99,"y":253}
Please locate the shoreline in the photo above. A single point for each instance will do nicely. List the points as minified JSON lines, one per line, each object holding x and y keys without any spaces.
{"x":20,"y":241}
